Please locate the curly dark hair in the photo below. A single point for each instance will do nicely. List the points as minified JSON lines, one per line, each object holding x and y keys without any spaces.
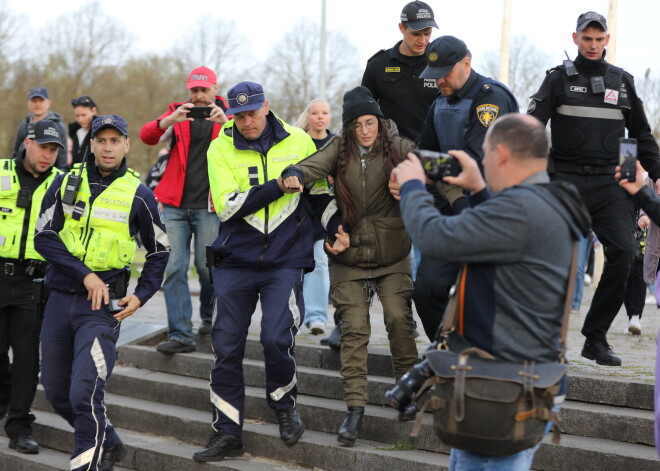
{"x":348,"y":149}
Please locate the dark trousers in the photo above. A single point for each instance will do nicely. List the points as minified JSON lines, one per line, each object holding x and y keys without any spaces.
{"x":19,"y":330}
{"x":431,"y":293}
{"x":283,"y":309}
{"x":78,"y":355}
{"x":635,"y":290}
{"x":612,"y":219}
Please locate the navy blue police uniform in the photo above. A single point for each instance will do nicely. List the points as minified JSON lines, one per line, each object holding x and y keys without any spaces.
{"x":77,"y":342}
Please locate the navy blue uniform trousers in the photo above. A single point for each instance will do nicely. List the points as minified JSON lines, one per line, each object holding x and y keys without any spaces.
{"x":282,"y":307}
{"x":78,"y":355}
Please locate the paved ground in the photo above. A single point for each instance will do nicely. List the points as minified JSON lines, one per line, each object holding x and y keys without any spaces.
{"x":638,"y":352}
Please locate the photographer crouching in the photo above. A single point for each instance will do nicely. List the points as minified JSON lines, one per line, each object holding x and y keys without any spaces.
{"x":516,"y":243}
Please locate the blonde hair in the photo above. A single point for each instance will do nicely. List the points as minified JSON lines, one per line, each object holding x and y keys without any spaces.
{"x":303,"y":120}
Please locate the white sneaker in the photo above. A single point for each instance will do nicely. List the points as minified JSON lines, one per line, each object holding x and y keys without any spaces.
{"x":650,"y":299}
{"x":635,"y":325}
{"x":317,"y":327}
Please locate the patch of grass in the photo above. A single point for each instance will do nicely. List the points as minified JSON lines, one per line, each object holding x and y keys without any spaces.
{"x":399,"y":446}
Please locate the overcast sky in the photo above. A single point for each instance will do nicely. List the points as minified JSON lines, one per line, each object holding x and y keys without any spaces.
{"x":372,"y":24}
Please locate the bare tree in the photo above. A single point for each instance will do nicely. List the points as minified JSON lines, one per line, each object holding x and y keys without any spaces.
{"x":291,"y":72}
{"x":527,"y":67}
{"x":649,"y":90}
{"x":216,"y":44}
{"x":80,"y":44}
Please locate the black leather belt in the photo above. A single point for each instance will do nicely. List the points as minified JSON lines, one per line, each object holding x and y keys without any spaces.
{"x":566,"y":167}
{"x":13,"y":267}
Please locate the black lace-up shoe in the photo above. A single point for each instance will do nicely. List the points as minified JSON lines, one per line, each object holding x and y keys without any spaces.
{"x":24,"y":444}
{"x":601,"y":352}
{"x":111,"y":456}
{"x":409,"y":413}
{"x":219,"y":446}
{"x":291,"y":427}
{"x":349,"y":429}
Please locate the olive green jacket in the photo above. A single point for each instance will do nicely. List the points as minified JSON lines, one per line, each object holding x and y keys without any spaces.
{"x":378,"y":239}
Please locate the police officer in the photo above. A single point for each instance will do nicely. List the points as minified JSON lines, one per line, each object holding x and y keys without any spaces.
{"x":23,"y":184}
{"x":86,"y":230}
{"x":393,"y":75}
{"x":590,"y":103}
{"x":264,"y":246}
{"x":467,"y":105}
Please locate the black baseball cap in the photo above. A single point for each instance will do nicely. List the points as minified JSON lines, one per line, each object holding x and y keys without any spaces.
{"x":418,"y":15}
{"x":38,"y":92}
{"x":442,"y":55}
{"x":590,"y":17}
{"x":45,"y":132}
{"x":110,"y":121}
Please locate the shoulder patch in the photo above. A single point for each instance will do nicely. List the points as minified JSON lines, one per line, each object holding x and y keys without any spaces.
{"x":487,"y":113}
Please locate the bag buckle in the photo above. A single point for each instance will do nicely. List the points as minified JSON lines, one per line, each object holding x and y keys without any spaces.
{"x":9,"y":268}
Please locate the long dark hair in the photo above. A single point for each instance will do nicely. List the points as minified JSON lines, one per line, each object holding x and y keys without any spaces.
{"x":348,"y":149}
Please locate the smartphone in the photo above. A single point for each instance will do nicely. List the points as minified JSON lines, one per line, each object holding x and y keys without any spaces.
{"x":199,"y":112}
{"x":628,"y":158}
{"x":438,"y":164}
{"x":114,"y":306}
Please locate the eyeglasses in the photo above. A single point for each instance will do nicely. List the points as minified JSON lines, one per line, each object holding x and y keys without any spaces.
{"x":83,"y":101}
{"x":368,"y":125}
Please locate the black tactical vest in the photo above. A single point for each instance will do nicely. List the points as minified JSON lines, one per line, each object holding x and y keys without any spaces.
{"x":586,"y":128}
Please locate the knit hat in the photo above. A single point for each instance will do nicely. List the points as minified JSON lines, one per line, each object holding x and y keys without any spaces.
{"x":358,"y":102}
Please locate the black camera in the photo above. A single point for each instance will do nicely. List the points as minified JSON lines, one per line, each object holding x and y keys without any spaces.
{"x":24,"y":198}
{"x":199,"y":112}
{"x":401,"y":395}
{"x":438,"y":164}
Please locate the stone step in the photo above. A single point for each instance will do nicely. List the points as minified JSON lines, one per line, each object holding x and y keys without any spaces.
{"x":137,"y":418}
{"x":590,"y":420}
{"x":581,"y":387}
{"x":145,"y":452}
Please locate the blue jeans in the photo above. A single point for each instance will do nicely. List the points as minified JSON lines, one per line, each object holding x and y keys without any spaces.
{"x":181,"y":224}
{"x":582,"y":259}
{"x":316,"y":287}
{"x":461,"y":460}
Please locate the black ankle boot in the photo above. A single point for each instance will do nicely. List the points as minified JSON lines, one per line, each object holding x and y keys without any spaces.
{"x":348,"y":431}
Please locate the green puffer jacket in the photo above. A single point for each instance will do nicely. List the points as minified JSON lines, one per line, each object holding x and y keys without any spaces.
{"x":379,"y":238}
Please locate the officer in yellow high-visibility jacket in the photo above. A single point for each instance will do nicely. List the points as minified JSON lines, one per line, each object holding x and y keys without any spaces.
{"x":23,"y":184}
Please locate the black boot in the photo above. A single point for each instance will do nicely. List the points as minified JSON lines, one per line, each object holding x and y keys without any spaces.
{"x":220,"y":445}
{"x":601,"y":352}
{"x":291,"y":427}
{"x":111,"y":456}
{"x":348,"y":431}
{"x":408,"y":413}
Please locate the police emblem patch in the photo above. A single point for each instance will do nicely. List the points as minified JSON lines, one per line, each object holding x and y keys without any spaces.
{"x":242,"y":98}
{"x":487,"y":114}
{"x":433,"y":57}
{"x":107,"y":120}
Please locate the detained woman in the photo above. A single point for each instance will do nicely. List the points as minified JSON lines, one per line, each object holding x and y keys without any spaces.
{"x":367,"y":244}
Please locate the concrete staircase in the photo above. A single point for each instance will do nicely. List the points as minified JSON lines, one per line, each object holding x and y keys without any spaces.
{"x":160,"y":407}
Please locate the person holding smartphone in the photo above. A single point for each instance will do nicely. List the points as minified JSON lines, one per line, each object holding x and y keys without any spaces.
{"x":590,"y":104}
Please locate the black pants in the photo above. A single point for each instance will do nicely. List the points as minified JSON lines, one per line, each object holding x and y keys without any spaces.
{"x":635,"y":290}
{"x":19,"y":330}
{"x":431,"y":294}
{"x":612,"y":219}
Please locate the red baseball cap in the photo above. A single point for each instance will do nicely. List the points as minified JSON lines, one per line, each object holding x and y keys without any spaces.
{"x":201,"y":77}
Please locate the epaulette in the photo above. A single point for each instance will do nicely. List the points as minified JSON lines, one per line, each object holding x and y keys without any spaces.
{"x":377,"y":54}
{"x":551,"y":70}
{"x":485,"y":87}
{"x":133,"y":172}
